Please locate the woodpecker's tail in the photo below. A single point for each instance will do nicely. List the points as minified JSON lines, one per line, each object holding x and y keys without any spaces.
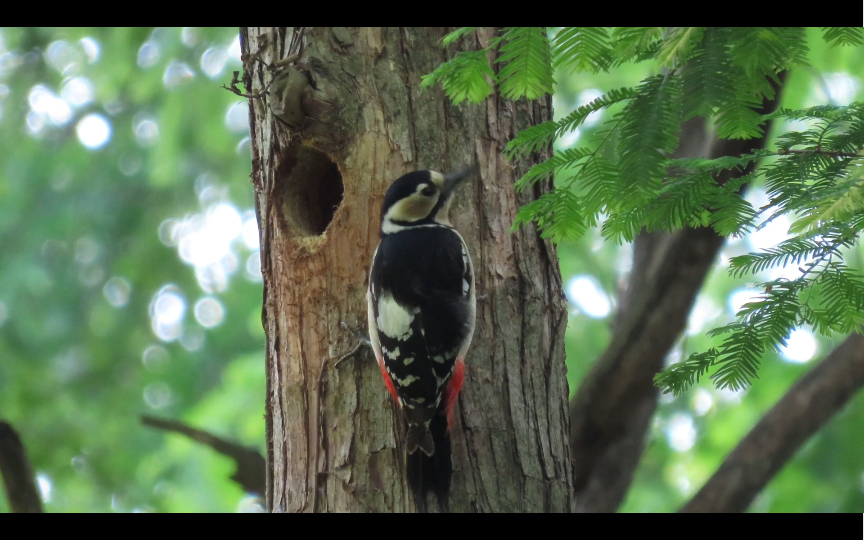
{"x":432,"y":473}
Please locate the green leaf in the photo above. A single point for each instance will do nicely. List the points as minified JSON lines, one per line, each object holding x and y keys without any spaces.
{"x":562,"y":160}
{"x":533,"y":139}
{"x":679,"y":377}
{"x":707,"y":76}
{"x":789,"y":252}
{"x":678,"y":45}
{"x":456,"y":35}
{"x":581,"y":48}
{"x":844,"y":35}
{"x":731,"y":214}
{"x":539,"y":137}
{"x":738,"y":117}
{"x":527,"y":61}
{"x":649,"y":132}
{"x":636,"y":43}
{"x":467,"y":76}
{"x":557,"y":214}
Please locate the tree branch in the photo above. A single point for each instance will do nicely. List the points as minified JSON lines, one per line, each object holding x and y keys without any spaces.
{"x":612,"y":409}
{"x":805,"y":408}
{"x":18,"y":479}
{"x":251,"y":467}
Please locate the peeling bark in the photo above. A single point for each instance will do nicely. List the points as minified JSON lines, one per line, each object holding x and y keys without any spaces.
{"x":335,"y":442}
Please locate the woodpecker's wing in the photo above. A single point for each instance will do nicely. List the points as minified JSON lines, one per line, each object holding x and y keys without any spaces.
{"x":427,"y":271}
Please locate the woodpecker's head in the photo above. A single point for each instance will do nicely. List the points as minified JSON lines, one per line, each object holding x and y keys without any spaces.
{"x":420,"y":197}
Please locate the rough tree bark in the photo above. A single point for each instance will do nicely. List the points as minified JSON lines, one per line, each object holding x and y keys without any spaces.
{"x":334,"y":440}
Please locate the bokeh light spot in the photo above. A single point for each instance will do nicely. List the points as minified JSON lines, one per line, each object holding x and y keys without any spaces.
{"x":91,"y":48}
{"x":45,"y":103}
{"x":704,"y":312}
{"x":244,"y":147}
{"x":86,"y":250}
{"x":250,"y":505}
{"x":170,"y":307}
{"x":740,"y":297}
{"x":77,"y":91}
{"x":94,"y":131}
{"x":46,"y":487}
{"x":130,"y":163}
{"x":146,"y":129}
{"x":800,"y":348}
{"x":209,"y":312}
{"x":148,"y":54}
{"x":176,"y":74}
{"x":116,"y":291}
{"x":234,"y":49}
{"x":158,"y":395}
{"x":155,"y":358}
{"x":842,"y":87}
{"x":213,"y":61}
{"x":237,"y":117}
{"x":190,"y":36}
{"x":166,"y":313}
{"x":192,"y":338}
{"x":63,"y":57}
{"x":585,"y":292}
{"x":702,"y":401}
{"x":250,"y":231}
{"x":253,"y":268}
{"x":587,"y":96}
{"x":680,"y":432}
{"x":91,"y":275}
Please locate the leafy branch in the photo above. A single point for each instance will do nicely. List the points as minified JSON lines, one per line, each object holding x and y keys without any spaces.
{"x":814,"y":176}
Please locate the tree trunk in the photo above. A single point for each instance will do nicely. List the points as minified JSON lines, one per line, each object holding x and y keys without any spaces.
{"x":335,"y":441}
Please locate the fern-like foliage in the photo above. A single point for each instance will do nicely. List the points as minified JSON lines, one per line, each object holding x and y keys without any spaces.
{"x":468,"y":76}
{"x":526,"y":63}
{"x":581,"y":48}
{"x":625,"y":177}
{"x":844,"y":35}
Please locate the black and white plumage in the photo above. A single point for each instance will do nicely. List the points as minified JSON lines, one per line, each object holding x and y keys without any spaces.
{"x":421,"y":309}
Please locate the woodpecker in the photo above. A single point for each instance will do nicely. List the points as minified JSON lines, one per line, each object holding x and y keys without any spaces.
{"x":421,"y":308}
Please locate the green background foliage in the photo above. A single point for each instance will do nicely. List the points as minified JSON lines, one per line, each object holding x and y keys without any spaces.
{"x":81,"y":228}
{"x":126,"y":225}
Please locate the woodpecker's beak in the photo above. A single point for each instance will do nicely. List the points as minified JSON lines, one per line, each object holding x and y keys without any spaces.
{"x":452,"y":180}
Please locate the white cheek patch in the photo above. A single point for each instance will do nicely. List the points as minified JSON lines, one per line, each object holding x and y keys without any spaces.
{"x":394,"y":321}
{"x":465,"y":287}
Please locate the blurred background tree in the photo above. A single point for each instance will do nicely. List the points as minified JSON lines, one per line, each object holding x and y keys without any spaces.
{"x":129,"y":282}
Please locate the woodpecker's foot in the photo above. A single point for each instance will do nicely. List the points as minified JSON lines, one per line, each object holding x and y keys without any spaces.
{"x":362,"y":341}
{"x":358,"y":333}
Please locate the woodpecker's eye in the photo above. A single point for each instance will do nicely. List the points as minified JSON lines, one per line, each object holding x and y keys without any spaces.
{"x":427,"y":191}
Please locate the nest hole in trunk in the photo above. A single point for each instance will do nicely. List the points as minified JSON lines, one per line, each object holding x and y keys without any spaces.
{"x":312,"y":190}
